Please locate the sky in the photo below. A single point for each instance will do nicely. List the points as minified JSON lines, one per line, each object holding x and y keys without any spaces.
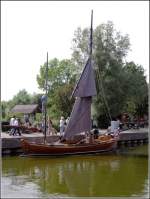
{"x":30,"y":29}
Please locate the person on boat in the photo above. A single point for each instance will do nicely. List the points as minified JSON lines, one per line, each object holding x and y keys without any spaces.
{"x":114,"y":128}
{"x":91,"y":137}
{"x":95,"y":131}
{"x":62,"y":125}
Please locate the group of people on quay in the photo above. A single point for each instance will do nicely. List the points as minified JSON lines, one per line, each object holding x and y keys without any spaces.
{"x":117,"y":123}
{"x":17,"y":125}
{"x":14,"y":123}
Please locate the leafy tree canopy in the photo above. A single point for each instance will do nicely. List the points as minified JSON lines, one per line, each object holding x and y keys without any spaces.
{"x":59,"y":73}
{"x":61,"y":79}
{"x":121,"y":86}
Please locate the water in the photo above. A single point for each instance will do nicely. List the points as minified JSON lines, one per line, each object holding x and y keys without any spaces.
{"x":122,"y":174}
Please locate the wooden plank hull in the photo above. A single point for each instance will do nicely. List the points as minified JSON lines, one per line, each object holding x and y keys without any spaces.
{"x":67,"y":149}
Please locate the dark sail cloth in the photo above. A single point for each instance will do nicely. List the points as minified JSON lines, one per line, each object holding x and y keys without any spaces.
{"x":86,"y":85}
{"x":80,"y":119}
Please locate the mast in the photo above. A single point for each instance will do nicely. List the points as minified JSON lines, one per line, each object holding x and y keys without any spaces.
{"x":90,"y":53}
{"x":80,"y":119}
{"x":45,"y":115}
{"x":91,"y":35}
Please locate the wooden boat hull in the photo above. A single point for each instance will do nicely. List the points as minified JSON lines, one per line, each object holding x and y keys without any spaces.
{"x":67,"y":149}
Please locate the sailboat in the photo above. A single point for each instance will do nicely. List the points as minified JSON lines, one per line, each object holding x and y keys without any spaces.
{"x":79,"y":122}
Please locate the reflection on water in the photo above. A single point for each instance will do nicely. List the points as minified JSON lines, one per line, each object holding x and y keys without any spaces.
{"x":95,"y":175}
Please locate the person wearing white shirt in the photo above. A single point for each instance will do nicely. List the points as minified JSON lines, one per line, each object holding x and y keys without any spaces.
{"x":62,"y":125}
{"x":11,"y":123}
{"x":16,"y":124}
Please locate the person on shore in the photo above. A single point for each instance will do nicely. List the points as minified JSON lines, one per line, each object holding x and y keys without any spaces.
{"x":66,"y":123}
{"x":16,"y":127}
{"x":12,"y":124}
{"x":67,"y":120}
{"x":62,"y":126}
{"x":43,"y":125}
{"x":49,"y":124}
{"x":51,"y":129}
{"x":27,"y":120}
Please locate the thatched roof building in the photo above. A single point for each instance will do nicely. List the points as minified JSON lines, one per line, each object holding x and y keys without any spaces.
{"x":26,"y":109}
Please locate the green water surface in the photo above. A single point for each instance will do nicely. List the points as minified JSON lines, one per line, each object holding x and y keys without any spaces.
{"x":113,"y":175}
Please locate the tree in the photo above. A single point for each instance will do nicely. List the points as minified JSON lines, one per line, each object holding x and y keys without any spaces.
{"x":3,"y":109}
{"x":113,"y":76}
{"x":22,"y":97}
{"x":63,"y":101}
{"x":36,"y":99}
{"x":61,"y":79}
{"x":59,"y":73}
{"x":137,"y":89}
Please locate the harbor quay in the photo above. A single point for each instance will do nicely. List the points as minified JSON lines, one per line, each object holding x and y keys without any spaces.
{"x":12,"y":144}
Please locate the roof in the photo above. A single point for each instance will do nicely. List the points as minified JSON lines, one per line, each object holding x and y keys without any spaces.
{"x":30,"y":108}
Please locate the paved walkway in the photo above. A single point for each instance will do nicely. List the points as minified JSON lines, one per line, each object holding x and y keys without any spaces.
{"x":40,"y":134}
{"x":36,"y":134}
{"x":140,"y":130}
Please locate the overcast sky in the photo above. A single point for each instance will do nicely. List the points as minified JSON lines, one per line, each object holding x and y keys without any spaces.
{"x":30,"y":29}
